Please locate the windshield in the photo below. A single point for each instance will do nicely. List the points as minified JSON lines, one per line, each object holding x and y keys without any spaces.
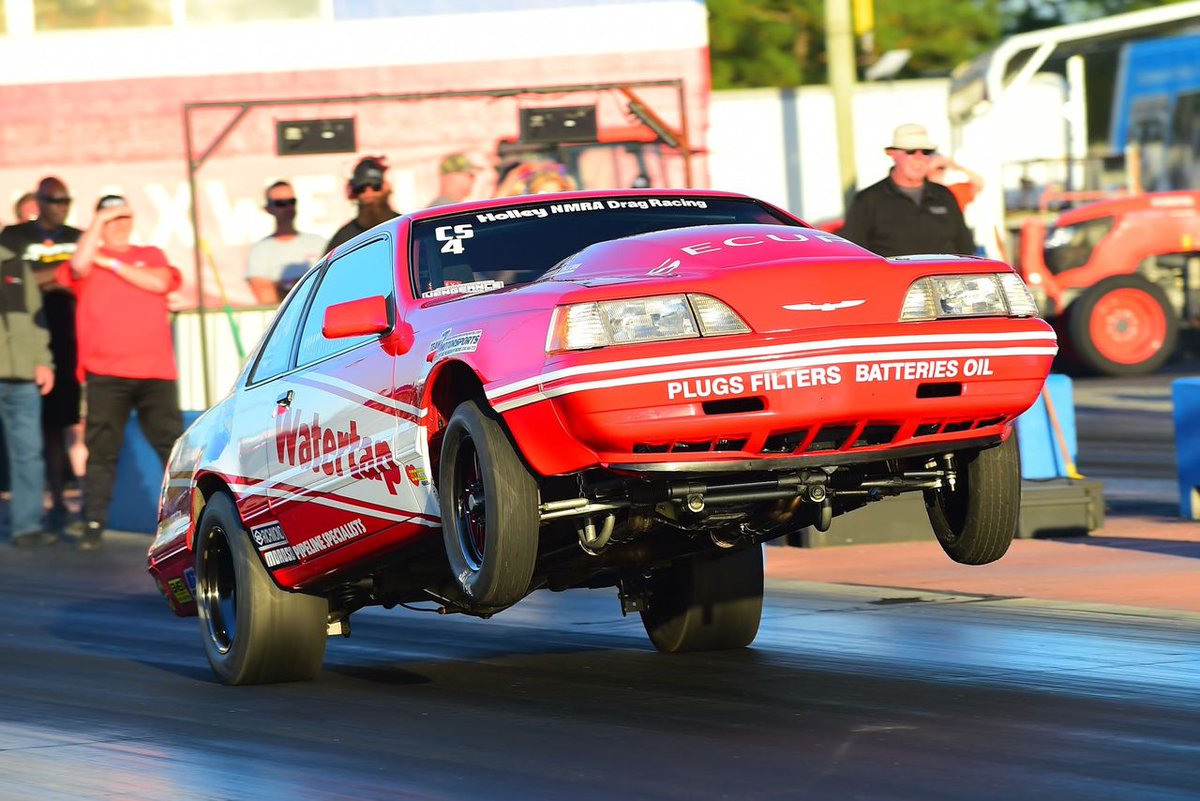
{"x":517,"y":244}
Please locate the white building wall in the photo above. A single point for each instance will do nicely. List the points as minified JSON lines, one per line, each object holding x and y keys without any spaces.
{"x":780,"y":144}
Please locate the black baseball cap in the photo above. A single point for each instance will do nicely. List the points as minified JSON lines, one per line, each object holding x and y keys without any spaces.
{"x":368,"y":171}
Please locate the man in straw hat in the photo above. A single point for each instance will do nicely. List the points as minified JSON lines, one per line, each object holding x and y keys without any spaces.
{"x":906,"y":213}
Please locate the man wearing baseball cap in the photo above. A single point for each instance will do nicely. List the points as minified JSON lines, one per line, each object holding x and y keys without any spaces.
{"x":906,"y":213}
{"x":368,"y":187}
{"x":456,"y":179}
{"x":126,"y":355}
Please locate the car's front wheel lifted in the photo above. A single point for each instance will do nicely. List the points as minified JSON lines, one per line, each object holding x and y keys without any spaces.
{"x":489,"y":504}
{"x":707,"y":602}
{"x":253,"y":632}
{"x":976,"y":521}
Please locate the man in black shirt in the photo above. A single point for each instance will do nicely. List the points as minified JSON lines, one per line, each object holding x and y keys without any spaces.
{"x":369,"y":187}
{"x":43,"y":245}
{"x":905,"y":213}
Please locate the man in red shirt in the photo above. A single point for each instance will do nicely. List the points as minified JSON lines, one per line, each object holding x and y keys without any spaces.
{"x":126,"y":354}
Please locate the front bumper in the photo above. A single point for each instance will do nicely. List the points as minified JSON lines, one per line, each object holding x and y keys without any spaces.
{"x":826,"y":397}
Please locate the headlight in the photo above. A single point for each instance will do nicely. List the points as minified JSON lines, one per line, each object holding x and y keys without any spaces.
{"x":1020,"y":299}
{"x":980,"y":295}
{"x":624,"y":322}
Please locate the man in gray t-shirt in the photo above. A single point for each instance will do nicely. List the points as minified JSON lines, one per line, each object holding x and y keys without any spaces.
{"x":278,"y":262}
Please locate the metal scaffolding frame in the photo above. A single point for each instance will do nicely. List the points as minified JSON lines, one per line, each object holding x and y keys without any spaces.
{"x":243,"y":107}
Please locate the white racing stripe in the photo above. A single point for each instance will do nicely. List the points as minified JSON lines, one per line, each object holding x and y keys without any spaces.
{"x":364,"y":393}
{"x":880,"y":357}
{"x":343,"y":503}
{"x":765,"y":350}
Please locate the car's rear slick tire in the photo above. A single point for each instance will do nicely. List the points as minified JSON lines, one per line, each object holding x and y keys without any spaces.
{"x":976,"y":522}
{"x":707,"y":602}
{"x":489,"y":505}
{"x":253,"y":632}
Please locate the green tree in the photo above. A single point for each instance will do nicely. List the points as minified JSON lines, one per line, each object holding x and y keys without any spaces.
{"x":755,"y":43}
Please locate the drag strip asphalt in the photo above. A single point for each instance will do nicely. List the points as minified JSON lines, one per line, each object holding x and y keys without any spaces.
{"x":849,"y":692}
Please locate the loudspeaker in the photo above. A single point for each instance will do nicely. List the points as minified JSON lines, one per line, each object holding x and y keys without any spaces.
{"x":304,"y":137}
{"x":559,"y":124}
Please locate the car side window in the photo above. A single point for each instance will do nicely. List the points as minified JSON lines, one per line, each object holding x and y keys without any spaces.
{"x":275,"y":357}
{"x":361,"y":273}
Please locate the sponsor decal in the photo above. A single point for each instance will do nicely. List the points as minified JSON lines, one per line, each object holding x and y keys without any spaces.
{"x":461,"y":288}
{"x":565,"y":268}
{"x":512,"y":214}
{"x":805,"y":377}
{"x":612,"y":204}
{"x":770,"y":381}
{"x":922,"y":369}
{"x":841,"y":304}
{"x":754,"y":240}
{"x":273,"y":545}
{"x":189,"y":575}
{"x":453,"y":236}
{"x":450,"y":344}
{"x":179,"y":591}
{"x":327,"y":539}
{"x":332,"y":451}
{"x":668,"y":267}
{"x":416,"y":475}
{"x":268,"y":535}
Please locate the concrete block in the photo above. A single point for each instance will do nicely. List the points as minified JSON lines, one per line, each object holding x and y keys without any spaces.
{"x":1185,"y":393}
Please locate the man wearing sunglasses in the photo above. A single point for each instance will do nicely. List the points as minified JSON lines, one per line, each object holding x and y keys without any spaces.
{"x":368,"y":187}
{"x":276,"y":263}
{"x":44,"y":244}
{"x":906,"y":213}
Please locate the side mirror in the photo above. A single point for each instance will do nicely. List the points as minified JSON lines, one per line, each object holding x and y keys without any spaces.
{"x":356,"y":318}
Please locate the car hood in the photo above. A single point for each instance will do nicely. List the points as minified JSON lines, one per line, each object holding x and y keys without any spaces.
{"x":778,"y":278}
{"x":702,"y":251}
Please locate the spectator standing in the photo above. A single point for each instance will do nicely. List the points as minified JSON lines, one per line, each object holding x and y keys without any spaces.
{"x":456,"y":179}
{"x":125,"y":350}
{"x":26,"y":207}
{"x":964,"y":191}
{"x":276,"y":263}
{"x":368,"y":187}
{"x":26,"y":375}
{"x":44,"y":244}
{"x":906,"y":213}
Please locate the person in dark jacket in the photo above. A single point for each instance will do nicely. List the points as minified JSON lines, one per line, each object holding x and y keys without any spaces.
{"x":369,"y":188}
{"x":44,"y":244}
{"x":906,"y":213}
{"x":26,"y":374}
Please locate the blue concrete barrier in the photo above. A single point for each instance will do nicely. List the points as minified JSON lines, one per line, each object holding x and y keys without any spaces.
{"x":134,"y":504}
{"x":1041,"y":456}
{"x":1185,"y":392}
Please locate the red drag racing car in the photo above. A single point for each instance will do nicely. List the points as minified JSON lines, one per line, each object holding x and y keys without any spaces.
{"x":592,"y":389}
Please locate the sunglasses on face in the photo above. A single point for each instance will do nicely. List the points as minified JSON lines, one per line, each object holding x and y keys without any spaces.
{"x":55,"y":199}
{"x":282,"y":203}
{"x":360,"y":188}
{"x":912,"y":151}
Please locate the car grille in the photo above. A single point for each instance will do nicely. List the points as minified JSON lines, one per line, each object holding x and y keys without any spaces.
{"x":842,"y":436}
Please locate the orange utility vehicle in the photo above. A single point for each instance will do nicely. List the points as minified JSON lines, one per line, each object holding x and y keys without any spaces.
{"x":1118,"y":277}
